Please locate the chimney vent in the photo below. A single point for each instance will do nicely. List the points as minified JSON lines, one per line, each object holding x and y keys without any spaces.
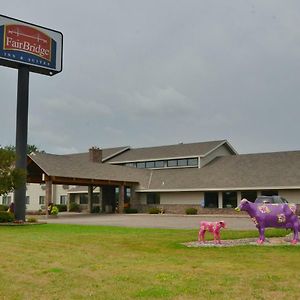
{"x":95,"y":154}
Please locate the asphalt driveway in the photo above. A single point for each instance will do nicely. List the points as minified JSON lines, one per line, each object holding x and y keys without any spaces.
{"x":151,"y":221}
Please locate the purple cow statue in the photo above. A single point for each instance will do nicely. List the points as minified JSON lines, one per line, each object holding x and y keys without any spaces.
{"x":271,"y":215}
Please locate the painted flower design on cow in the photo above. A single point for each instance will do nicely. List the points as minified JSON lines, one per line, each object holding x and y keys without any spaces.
{"x":293,"y":208}
{"x":264,"y":209}
{"x":281,"y":218}
{"x":254,"y":221}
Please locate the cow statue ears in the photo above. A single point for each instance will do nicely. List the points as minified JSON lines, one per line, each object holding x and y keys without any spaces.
{"x":213,"y":227}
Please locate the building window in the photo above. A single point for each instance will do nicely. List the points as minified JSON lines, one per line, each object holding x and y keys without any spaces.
{"x":150,"y":164}
{"x":83,"y":199}
{"x":211,"y":199}
{"x":96,"y":198}
{"x":249,"y":195}
{"x":182,"y":162}
{"x":159,"y":164}
{"x":172,"y":163}
{"x":192,"y":162}
{"x":63,"y":199}
{"x":153,"y":198}
{"x":27,"y":200}
{"x":6,"y":200}
{"x":42,"y":200}
{"x":229,"y":199}
{"x":141,"y":165}
{"x":131,"y":164}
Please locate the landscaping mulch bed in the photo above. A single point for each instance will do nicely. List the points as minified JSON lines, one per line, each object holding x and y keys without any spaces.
{"x":276,"y":241}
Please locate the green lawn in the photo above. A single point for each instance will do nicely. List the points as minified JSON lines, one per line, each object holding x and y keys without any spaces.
{"x":93,"y":262}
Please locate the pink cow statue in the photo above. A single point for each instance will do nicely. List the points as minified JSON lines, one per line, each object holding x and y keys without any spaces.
{"x":272,"y":215}
{"x":213,"y":227}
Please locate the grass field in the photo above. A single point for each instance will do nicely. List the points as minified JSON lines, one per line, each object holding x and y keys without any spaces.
{"x":93,"y":262}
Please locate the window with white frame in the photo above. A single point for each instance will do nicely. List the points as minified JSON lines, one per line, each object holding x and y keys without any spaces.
{"x":42,"y":200}
{"x":63,"y":199}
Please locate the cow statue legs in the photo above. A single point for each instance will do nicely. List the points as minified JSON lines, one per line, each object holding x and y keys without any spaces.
{"x":213,"y":227}
{"x":261,"y":235}
{"x":296,"y":233}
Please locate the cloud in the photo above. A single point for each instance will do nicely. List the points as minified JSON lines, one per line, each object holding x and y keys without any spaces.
{"x":149,"y":72}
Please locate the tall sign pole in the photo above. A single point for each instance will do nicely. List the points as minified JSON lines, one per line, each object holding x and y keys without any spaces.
{"x":21,"y":138}
{"x":28,"y":48}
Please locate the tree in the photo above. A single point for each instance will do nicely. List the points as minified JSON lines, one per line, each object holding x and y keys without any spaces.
{"x":10,"y":176}
{"x":30,"y":148}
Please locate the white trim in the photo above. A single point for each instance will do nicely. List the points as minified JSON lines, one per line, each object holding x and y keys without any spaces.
{"x":219,"y":189}
{"x":221,"y":144}
{"x":150,"y":178}
{"x":116,"y":153}
{"x":154,"y":159}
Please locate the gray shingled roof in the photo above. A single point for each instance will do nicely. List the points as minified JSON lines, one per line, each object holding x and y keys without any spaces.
{"x":262,"y":170}
{"x":79,"y":166}
{"x":170,"y":151}
{"x":265,"y":170}
{"x":106,"y":153}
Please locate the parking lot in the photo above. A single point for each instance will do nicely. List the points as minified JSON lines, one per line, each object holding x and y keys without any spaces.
{"x":242,"y":222}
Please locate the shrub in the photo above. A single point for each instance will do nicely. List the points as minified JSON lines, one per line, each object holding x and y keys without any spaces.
{"x":96,"y":210}
{"x":154,"y":210}
{"x":32,"y":220}
{"x":129,"y":210}
{"x":54,"y":211}
{"x":74,"y":207}
{"x":61,"y":207}
{"x":3,"y":207}
{"x":191,"y":211}
{"x":6,"y":217}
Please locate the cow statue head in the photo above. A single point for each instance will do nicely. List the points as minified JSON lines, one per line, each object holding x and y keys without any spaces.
{"x":244,"y":205}
{"x":222,"y":224}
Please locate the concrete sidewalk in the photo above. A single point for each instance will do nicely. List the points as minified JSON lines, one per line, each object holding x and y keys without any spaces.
{"x":150,"y":221}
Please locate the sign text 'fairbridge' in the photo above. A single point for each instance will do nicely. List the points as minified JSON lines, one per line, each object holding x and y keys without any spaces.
{"x":24,"y":43}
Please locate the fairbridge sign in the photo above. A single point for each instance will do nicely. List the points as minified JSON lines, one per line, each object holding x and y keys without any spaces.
{"x":28,"y":48}
{"x":23,"y":43}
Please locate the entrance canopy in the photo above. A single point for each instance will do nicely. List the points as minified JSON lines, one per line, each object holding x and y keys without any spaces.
{"x":77,"y":169}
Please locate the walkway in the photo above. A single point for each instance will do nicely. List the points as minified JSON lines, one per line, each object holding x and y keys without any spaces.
{"x":151,"y":221}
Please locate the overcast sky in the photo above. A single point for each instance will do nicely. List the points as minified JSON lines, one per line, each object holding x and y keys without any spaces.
{"x":159,"y":72}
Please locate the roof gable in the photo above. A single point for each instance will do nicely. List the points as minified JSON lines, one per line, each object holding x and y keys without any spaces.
{"x":180,"y":150}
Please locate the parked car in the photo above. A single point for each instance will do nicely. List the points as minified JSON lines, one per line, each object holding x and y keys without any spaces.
{"x":270,"y":199}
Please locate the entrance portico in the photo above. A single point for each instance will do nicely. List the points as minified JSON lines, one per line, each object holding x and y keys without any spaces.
{"x":95,"y":174}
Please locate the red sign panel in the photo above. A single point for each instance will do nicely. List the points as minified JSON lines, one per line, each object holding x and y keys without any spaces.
{"x":27,"y":39}
{"x":23,"y":43}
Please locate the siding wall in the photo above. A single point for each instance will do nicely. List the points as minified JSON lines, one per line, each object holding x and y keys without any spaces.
{"x":181,"y":198}
{"x":34,"y":191}
{"x":177,"y":202}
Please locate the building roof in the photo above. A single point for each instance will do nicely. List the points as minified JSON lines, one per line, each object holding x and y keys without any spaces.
{"x":277,"y":170}
{"x":170,"y":151}
{"x":79,"y":166}
{"x":249,"y":171}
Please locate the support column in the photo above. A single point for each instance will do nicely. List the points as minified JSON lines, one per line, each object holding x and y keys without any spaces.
{"x":121,"y":198}
{"x":90,"y":198}
{"x":21,"y":138}
{"x":239,"y":197}
{"x":220,"y":200}
{"x":48,"y":196}
{"x":134,"y":200}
